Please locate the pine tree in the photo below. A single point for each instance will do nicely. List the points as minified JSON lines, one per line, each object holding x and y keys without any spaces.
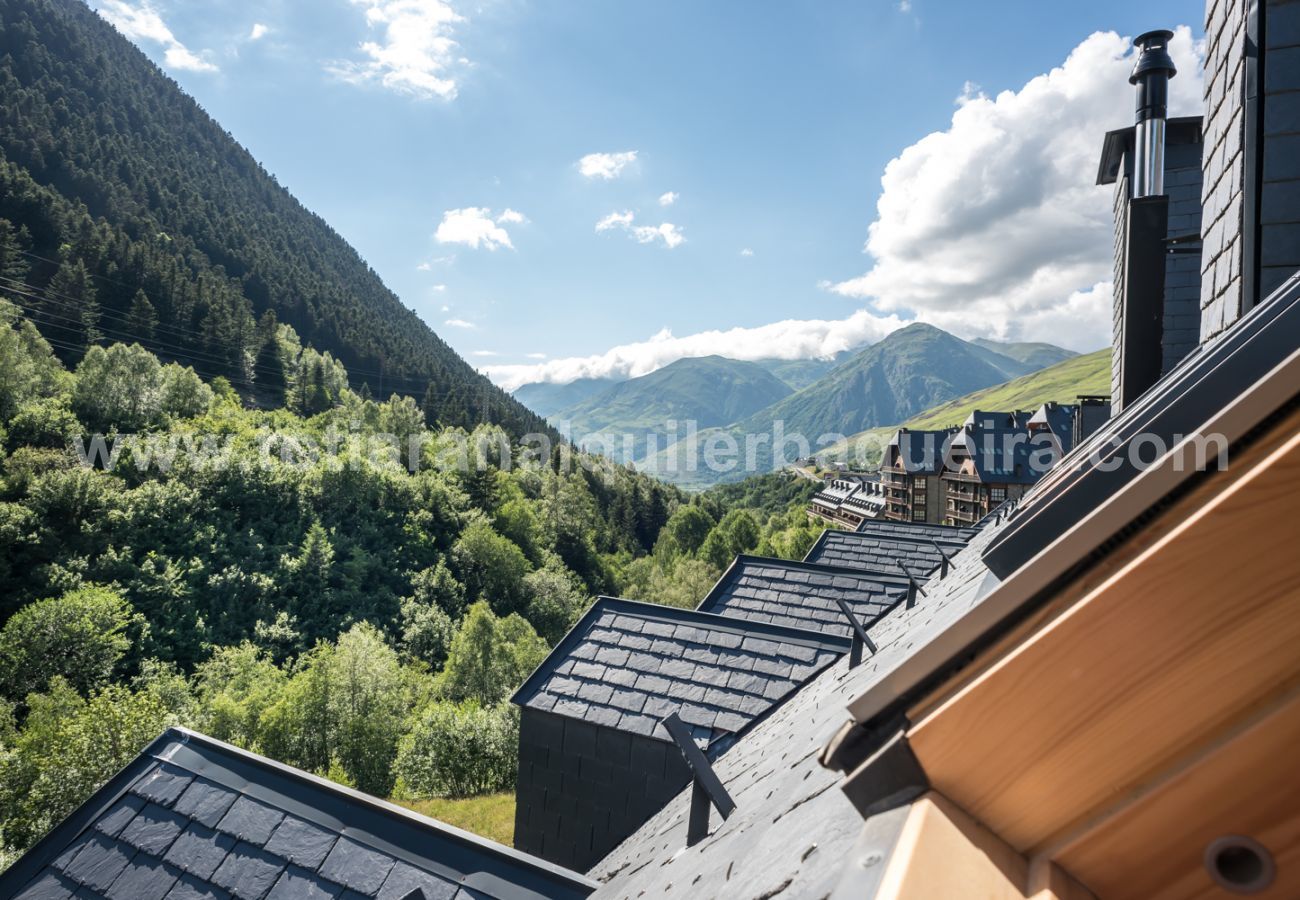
{"x":430,"y":406}
{"x":71,"y":295}
{"x":141,"y":319}
{"x":13,"y":265}
{"x":268,"y":368}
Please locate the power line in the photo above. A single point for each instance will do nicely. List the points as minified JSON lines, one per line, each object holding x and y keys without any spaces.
{"x":52,"y":318}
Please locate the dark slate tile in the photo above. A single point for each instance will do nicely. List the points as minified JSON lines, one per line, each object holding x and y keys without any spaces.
{"x":356,"y":866}
{"x":100,"y":861}
{"x":153,"y":829}
{"x":248,"y":872}
{"x":301,"y":842}
{"x":298,"y":883}
{"x":205,"y":801}
{"x":191,"y":888}
{"x":50,"y":885}
{"x":163,"y":784}
{"x":145,"y":878}
{"x":404,"y":878}
{"x":63,"y":859}
{"x":112,"y":822}
{"x":200,"y":850}
{"x":251,"y":820}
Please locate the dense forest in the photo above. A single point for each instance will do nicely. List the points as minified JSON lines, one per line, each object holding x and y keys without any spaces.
{"x":362,"y":611}
{"x":139,"y":219}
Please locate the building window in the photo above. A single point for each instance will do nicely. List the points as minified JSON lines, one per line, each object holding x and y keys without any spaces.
{"x":998,"y":494}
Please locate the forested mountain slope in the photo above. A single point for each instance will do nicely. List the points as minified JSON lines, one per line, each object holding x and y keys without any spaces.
{"x":136,"y":216}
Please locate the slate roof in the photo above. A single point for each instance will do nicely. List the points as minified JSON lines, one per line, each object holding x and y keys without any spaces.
{"x":876,"y":552}
{"x":793,"y":830}
{"x":917,"y":452}
{"x":627,"y":664}
{"x":802,"y":595}
{"x":194,"y":818}
{"x":887,"y":527}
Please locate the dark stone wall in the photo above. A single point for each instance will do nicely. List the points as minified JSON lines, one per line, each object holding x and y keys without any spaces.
{"x":1279,"y":239}
{"x":583,"y":788}
{"x":1182,"y":319}
{"x":1222,"y":184}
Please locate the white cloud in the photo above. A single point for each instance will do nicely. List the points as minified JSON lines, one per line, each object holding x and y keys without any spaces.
{"x":746,"y":252}
{"x":424,"y":267}
{"x":606,"y":166}
{"x":446,"y":307}
{"x":669,"y":198}
{"x":439,"y":288}
{"x":475,"y":227}
{"x":417,"y":54}
{"x":670,"y":234}
{"x":485,"y":353}
{"x":791,"y":339}
{"x":142,"y":22}
{"x":905,"y":6}
{"x":259,"y":31}
{"x":995,"y":226}
{"x":534,"y":356}
{"x":460,"y":323}
{"x":615,"y":220}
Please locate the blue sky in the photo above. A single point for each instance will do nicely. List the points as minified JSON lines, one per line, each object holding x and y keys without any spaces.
{"x":405,"y":121}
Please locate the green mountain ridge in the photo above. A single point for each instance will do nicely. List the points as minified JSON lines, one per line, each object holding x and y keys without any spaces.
{"x":710,"y":391}
{"x":1037,"y":354}
{"x":119,"y":186}
{"x":547,"y":399}
{"x":911,"y":370}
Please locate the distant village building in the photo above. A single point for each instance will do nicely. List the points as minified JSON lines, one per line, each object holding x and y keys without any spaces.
{"x":910,"y":472}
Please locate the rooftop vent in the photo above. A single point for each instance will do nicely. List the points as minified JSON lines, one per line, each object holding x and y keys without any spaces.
{"x":1151,"y":75}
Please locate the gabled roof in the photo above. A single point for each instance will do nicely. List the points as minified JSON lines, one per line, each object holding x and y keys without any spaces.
{"x":1002,"y":450}
{"x":802,"y":595}
{"x":877,"y":552}
{"x":626,"y":665}
{"x":888,"y":527}
{"x":917,"y":452}
{"x":793,"y":833}
{"x":193,"y":817}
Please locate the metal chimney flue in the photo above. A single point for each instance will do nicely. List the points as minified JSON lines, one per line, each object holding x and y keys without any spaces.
{"x":1151,"y":75}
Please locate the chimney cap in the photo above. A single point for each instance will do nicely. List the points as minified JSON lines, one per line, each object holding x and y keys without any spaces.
{"x":1154,"y":56}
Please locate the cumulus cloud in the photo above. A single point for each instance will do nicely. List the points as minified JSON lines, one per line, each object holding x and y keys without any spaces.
{"x":460,"y":323}
{"x":142,"y":22}
{"x":475,"y":227}
{"x":416,"y":54}
{"x":670,"y":234}
{"x":668,"y":198}
{"x":606,"y":166}
{"x":994,"y":226}
{"x":259,"y":31}
{"x":746,"y":252}
{"x":791,"y":339}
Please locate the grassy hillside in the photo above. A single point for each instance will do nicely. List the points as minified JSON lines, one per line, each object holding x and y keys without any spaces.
{"x":491,"y":816}
{"x":1062,"y":383}
{"x":1036,"y":354}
